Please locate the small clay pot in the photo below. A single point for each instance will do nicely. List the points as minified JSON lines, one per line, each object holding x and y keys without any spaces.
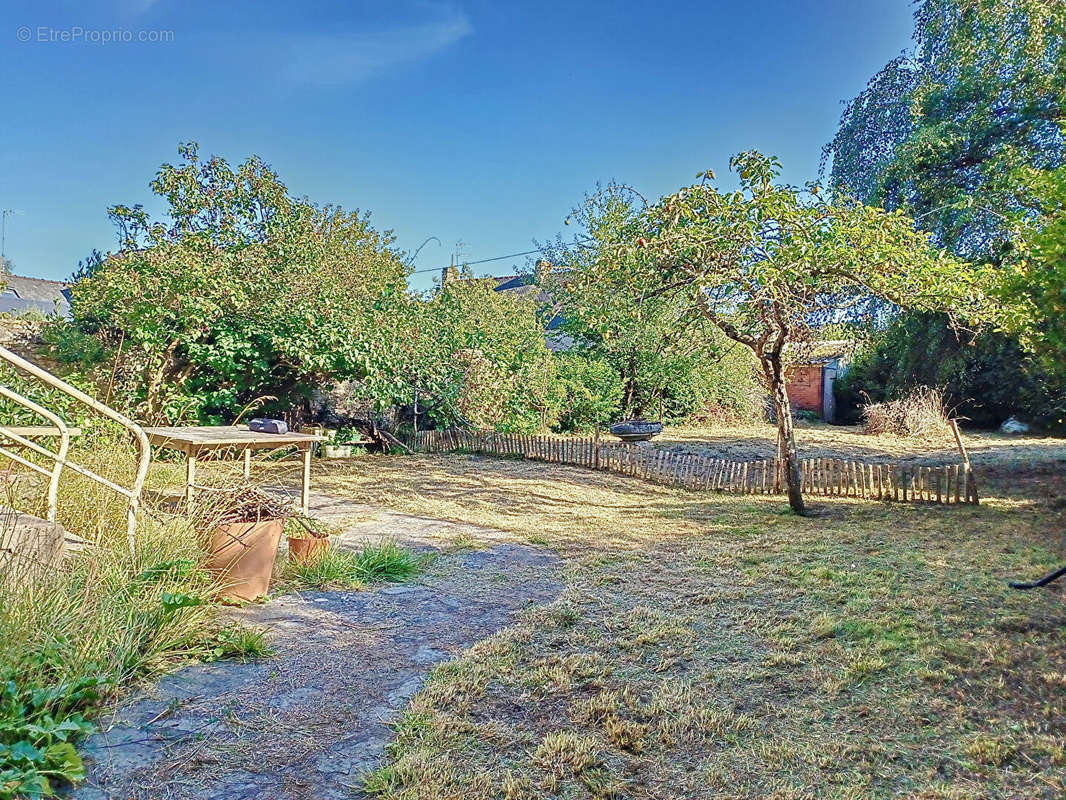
{"x":307,"y":551}
{"x":242,"y":554}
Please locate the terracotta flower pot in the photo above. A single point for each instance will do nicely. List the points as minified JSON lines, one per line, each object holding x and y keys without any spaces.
{"x":307,"y":551}
{"x":242,"y":554}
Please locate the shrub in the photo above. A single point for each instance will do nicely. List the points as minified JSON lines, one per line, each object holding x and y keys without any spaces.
{"x":723,"y":387}
{"x":708,"y":384}
{"x":242,"y":294}
{"x":475,"y":356}
{"x":588,"y":391}
{"x":921,"y":412}
{"x":985,"y":379}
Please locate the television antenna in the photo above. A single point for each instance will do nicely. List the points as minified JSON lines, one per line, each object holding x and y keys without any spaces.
{"x":3,"y":230}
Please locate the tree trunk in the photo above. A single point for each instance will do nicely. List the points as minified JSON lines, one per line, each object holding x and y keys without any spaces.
{"x":631,"y":388}
{"x":786,"y":436}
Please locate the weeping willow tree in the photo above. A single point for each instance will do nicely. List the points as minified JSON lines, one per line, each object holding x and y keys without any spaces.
{"x":951,"y":132}
{"x":942,"y":130}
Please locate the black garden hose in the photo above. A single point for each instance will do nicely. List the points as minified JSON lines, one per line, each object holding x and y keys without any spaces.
{"x":1054,"y":576}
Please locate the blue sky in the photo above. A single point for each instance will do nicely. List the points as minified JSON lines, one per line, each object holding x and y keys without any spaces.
{"x":482,"y":121}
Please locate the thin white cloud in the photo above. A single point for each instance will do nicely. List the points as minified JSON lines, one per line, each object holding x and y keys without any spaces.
{"x":137,"y":7}
{"x":338,"y":59}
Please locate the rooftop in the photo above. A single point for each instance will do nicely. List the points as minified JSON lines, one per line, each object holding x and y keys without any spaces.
{"x":22,"y":293}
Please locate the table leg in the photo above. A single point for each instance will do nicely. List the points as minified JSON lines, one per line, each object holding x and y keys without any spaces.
{"x":305,"y":495}
{"x":247,"y":464}
{"x":190,"y":477}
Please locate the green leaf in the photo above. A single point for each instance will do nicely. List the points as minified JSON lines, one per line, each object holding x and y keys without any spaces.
{"x":24,"y":751}
{"x":173,"y":601}
{"x":64,"y":761}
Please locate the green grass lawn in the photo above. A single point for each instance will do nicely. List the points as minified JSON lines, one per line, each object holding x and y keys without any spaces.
{"x":716,"y":646}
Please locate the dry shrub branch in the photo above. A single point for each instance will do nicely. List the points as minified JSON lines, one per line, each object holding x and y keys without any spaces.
{"x":920,"y":413}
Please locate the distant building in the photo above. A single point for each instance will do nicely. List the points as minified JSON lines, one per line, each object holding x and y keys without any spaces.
{"x":21,"y":294}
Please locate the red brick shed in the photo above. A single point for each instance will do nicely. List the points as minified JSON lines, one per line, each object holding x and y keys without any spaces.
{"x":810,"y":385}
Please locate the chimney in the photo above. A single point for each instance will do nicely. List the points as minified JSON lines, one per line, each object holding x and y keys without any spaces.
{"x":449,"y":274}
{"x":542,"y":270}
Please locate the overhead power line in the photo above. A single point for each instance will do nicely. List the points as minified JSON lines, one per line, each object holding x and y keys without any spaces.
{"x":471,"y":263}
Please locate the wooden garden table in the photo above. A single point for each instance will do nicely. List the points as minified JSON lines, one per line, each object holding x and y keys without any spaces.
{"x":194,"y":440}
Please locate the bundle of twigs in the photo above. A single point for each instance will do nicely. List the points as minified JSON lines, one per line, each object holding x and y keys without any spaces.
{"x":241,"y":502}
{"x":379,"y":436}
{"x":919,"y":413}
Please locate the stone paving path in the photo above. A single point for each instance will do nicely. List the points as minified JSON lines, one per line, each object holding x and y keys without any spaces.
{"x":308,"y":722}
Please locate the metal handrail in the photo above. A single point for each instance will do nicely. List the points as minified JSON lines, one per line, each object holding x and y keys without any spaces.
{"x":144,"y":450}
{"x":60,"y":457}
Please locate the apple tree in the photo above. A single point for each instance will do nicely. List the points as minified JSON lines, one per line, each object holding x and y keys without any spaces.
{"x":771,"y":265}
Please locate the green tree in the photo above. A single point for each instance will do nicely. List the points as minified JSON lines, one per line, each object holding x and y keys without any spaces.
{"x":985,"y":378}
{"x":941,"y":131}
{"x":1037,"y":275}
{"x":1040,"y":270}
{"x":665,"y":353}
{"x":241,"y":294}
{"x":770,"y":265}
{"x":944,"y":132}
{"x":474,"y":356}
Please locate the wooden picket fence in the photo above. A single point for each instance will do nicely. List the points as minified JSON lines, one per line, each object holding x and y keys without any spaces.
{"x":949,"y":483}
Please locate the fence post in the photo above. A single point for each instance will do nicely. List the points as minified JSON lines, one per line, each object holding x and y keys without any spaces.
{"x":971,"y":482}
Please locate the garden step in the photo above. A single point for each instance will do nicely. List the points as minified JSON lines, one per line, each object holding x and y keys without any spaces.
{"x":29,"y":544}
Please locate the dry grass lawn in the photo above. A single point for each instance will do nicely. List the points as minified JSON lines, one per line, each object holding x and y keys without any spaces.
{"x":717,"y":646}
{"x":817,"y":440}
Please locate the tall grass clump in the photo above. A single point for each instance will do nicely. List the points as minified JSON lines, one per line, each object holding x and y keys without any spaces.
{"x":340,"y":569}
{"x":386,"y":561}
{"x":74,"y":635}
{"x":921,"y":412}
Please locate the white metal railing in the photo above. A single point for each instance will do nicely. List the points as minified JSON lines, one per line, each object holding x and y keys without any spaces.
{"x":60,"y":459}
